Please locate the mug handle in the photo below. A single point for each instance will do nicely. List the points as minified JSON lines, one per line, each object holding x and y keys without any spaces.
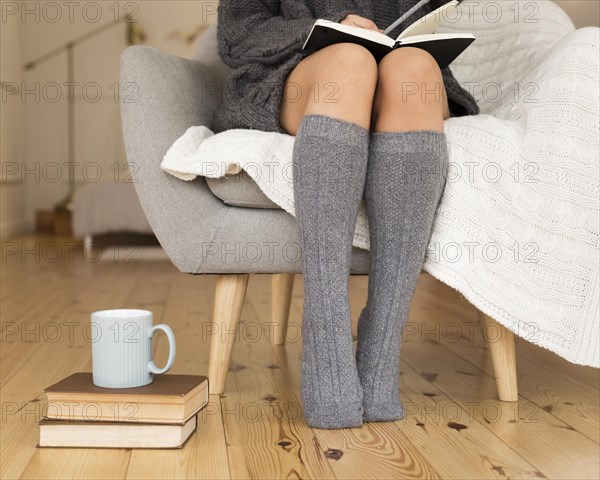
{"x":152,"y":368}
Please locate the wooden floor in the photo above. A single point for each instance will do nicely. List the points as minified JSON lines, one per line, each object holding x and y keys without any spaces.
{"x":455,"y":427}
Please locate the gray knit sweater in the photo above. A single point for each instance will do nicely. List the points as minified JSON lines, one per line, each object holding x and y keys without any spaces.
{"x":261,"y":40}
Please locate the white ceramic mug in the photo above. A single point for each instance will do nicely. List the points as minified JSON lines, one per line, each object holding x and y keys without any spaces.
{"x":122,"y":348}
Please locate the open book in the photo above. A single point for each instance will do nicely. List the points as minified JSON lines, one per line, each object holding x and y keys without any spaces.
{"x":444,"y":47}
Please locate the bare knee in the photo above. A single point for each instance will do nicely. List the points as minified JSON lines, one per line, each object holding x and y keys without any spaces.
{"x":348,"y":69}
{"x":410,"y":92}
{"x":348,"y":57}
{"x":338,"y":80}
{"x":410,"y":74}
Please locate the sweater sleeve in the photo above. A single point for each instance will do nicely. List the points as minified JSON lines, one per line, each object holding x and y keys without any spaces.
{"x":252,"y":31}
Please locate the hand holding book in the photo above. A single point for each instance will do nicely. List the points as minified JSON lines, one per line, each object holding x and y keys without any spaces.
{"x":358,"y":21}
{"x":444,"y":47}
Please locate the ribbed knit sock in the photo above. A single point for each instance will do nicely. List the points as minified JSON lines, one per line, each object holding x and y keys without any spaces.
{"x":405,"y":179}
{"x":330,"y":158}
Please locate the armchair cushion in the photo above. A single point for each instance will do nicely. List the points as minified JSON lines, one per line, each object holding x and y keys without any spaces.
{"x":240,"y":190}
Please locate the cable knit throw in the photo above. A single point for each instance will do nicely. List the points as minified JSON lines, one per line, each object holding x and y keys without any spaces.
{"x":517,"y":228}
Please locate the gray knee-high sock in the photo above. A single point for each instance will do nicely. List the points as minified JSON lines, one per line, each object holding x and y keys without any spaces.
{"x":405,"y":179}
{"x":330,"y":158}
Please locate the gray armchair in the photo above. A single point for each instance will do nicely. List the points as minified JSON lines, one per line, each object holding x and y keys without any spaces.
{"x":163,"y":95}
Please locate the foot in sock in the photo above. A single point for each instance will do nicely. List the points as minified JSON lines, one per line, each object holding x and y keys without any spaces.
{"x":405,"y":179}
{"x":330,"y":158}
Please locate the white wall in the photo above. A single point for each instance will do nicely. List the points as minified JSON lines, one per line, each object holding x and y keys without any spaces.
{"x":98,"y":142}
{"x":12,"y":195}
{"x":36,"y":131}
{"x":584,"y":13}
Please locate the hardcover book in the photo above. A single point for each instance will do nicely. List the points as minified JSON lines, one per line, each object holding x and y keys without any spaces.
{"x":172,"y":399}
{"x":57,"y":433}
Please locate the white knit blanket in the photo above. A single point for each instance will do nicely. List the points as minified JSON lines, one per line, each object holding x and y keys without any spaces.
{"x":517,"y":228}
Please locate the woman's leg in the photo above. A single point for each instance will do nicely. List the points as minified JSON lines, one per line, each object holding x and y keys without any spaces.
{"x":338,"y":81}
{"x":327,"y":106}
{"x":405,"y":178}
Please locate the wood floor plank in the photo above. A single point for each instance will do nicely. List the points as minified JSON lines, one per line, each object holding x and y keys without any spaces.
{"x":434,"y":296}
{"x":537,"y":435}
{"x":454,"y":442}
{"x":569,"y":401}
{"x":390,"y":453}
{"x":573,"y":405}
{"x":265,"y":431}
{"x":375,"y":451}
{"x":453,"y":453}
{"x":77,"y":463}
{"x":584,"y":377}
{"x":49,"y":362}
{"x":38,"y":301}
{"x":50,"y":324}
{"x":256,"y":429}
{"x":205,"y":454}
{"x":565,"y":400}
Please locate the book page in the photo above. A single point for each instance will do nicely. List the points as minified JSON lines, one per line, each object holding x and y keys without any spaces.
{"x":435,"y":37}
{"x":428,"y":24}
{"x":365,"y":33}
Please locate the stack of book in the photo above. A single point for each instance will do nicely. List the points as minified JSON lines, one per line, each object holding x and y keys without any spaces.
{"x":159,"y":415}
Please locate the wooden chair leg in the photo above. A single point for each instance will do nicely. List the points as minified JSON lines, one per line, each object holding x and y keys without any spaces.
{"x":229,"y":298}
{"x":281,"y":299}
{"x":501,"y":343}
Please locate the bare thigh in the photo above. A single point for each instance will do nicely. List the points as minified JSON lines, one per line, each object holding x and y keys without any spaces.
{"x":344,"y":81}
